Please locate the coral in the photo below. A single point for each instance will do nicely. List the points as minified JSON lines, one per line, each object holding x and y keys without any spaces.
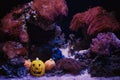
{"x":105,"y":54}
{"x":106,"y":66}
{"x":69,"y":65}
{"x":44,"y":13}
{"x":14,"y":71}
{"x":81,"y":43}
{"x":17,"y":61}
{"x":14,"y":67}
{"x":105,"y":44}
{"x":57,"y":54}
{"x":13,"y":24}
{"x":97,"y":20}
{"x":50,"y":9}
{"x":13,"y":49}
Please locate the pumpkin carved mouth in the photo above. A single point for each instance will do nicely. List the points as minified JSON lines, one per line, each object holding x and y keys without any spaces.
{"x":36,"y":72}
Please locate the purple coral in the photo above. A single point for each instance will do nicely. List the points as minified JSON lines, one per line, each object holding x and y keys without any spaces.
{"x":105,"y":43}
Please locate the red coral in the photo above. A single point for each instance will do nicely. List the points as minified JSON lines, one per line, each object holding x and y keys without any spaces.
{"x":50,"y":9}
{"x":13,"y":49}
{"x":97,"y":19}
{"x":8,"y":22}
{"x":13,"y":25}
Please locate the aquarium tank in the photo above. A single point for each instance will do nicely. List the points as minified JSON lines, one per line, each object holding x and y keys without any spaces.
{"x":59,"y":40}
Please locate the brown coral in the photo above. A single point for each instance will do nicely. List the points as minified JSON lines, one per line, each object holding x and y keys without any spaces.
{"x":97,"y":19}
{"x":69,"y":65}
{"x":50,"y":9}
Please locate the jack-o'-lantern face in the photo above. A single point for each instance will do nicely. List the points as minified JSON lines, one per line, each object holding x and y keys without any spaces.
{"x":37,"y":68}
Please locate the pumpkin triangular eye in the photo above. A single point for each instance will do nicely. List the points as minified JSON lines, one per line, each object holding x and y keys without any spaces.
{"x":33,"y":65}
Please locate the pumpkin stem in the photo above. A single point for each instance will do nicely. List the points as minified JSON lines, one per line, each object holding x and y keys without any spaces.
{"x":51,"y":59}
{"x":29,"y":60}
{"x":37,"y":58}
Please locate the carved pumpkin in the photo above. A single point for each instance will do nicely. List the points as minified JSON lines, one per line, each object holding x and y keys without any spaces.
{"x":49,"y":64}
{"x":27,"y":64}
{"x":37,"y":68}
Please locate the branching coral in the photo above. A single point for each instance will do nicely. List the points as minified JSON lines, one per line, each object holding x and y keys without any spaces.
{"x":105,"y":44}
{"x":97,"y":19}
{"x":50,"y":9}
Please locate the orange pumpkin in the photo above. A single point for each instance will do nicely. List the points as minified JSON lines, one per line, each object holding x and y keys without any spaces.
{"x":27,"y":64}
{"x":49,"y":64}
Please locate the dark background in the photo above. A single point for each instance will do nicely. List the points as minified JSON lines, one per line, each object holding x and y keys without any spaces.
{"x":74,"y":7}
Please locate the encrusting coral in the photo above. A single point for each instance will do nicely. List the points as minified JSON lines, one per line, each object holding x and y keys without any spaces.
{"x":105,"y":44}
{"x":105,"y":55}
{"x":69,"y":65}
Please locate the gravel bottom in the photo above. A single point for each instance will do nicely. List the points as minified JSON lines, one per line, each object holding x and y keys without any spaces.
{"x":84,"y":76}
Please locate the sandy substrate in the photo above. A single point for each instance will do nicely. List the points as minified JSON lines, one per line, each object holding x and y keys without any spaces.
{"x":84,"y":76}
